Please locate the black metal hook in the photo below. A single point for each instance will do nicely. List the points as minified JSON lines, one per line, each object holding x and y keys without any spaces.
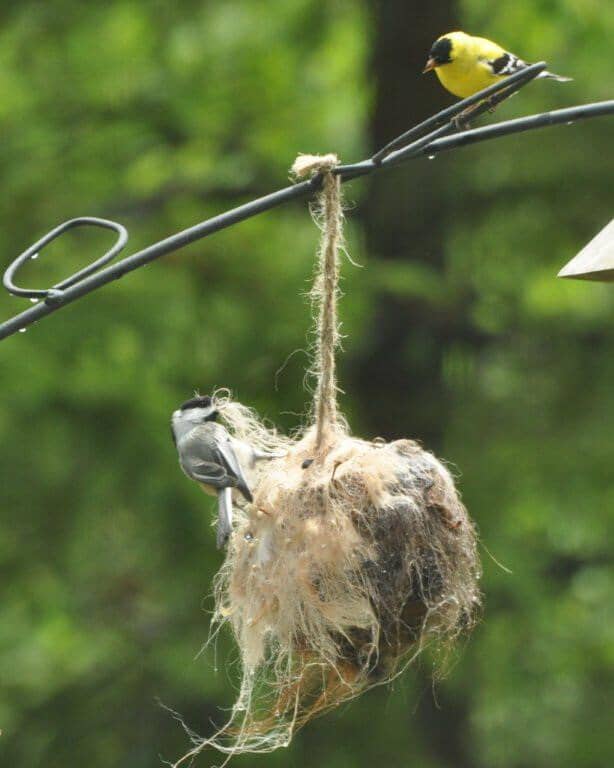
{"x":54,"y":294}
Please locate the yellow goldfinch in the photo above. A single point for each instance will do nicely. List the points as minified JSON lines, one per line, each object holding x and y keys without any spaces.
{"x":466,"y":64}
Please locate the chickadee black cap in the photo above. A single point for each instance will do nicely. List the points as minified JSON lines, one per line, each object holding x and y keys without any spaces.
{"x":197,"y":402}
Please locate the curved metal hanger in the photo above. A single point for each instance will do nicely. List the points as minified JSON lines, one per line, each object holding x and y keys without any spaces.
{"x":427,"y":138}
{"x":55,"y":293}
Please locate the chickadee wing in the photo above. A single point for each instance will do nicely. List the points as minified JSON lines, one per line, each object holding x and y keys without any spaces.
{"x":229,"y":460}
{"x":211,"y":474}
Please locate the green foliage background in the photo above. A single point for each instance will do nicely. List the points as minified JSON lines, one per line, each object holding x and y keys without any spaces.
{"x":161,"y":114}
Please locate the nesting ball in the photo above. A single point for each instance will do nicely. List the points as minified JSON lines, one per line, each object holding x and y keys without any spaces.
{"x":349,"y":559}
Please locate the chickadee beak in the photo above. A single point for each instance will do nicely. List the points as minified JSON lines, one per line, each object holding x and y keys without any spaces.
{"x":430,"y":64}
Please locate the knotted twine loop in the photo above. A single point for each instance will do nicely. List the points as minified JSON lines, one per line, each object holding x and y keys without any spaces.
{"x":328,"y":215}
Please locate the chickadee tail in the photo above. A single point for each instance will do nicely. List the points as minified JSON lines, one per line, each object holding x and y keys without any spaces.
{"x":243,"y":487}
{"x":553,"y":76}
{"x":224,"y":516}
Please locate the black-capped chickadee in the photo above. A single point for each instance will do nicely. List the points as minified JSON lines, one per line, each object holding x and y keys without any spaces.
{"x":209,"y":455}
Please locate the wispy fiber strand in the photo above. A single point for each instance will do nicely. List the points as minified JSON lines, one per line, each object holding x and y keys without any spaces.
{"x":328,"y":214}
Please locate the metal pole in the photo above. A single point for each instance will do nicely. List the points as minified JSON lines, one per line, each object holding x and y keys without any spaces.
{"x":84,"y":282}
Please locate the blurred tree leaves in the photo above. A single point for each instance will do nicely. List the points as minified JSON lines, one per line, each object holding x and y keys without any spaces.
{"x":162,"y":114}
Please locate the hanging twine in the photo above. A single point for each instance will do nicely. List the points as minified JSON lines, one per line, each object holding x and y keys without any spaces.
{"x":352,"y":555}
{"x":328,"y":215}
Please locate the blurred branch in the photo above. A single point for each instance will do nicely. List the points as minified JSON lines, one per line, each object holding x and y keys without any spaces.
{"x":427,"y":138}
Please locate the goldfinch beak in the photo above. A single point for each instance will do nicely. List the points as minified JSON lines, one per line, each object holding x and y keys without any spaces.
{"x":430,"y":64}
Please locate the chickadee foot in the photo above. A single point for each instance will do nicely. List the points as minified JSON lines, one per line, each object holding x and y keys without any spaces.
{"x":337,"y":465}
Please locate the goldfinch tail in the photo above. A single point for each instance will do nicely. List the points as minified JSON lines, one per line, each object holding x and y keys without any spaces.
{"x":558,"y":78}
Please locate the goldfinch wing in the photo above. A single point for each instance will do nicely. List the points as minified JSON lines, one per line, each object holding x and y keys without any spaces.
{"x":506,"y":64}
{"x":499,"y":61}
